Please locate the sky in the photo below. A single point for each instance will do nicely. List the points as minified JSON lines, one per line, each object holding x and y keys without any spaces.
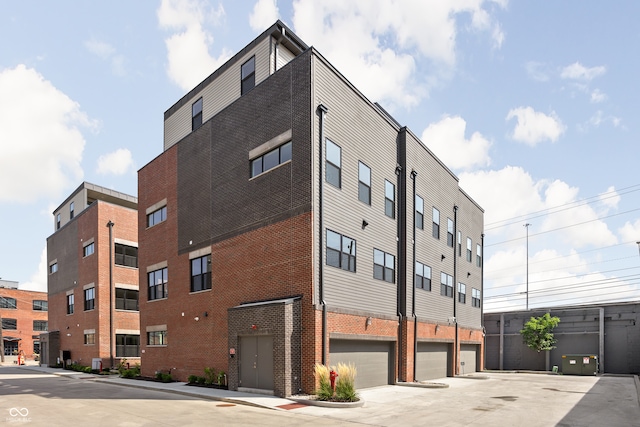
{"x":533,"y":105}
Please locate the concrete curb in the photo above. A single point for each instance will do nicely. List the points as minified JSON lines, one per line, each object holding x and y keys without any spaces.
{"x":637,"y":381}
{"x":423,"y":385}
{"x":327,"y":404}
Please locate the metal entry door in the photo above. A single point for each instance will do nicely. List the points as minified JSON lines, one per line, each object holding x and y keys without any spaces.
{"x":256,"y":362}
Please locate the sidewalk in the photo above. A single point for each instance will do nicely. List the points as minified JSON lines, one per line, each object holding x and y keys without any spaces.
{"x":234,"y":397}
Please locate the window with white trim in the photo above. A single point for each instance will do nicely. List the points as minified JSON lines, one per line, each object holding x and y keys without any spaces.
{"x":423,"y":276}
{"x":462,"y":293}
{"x":333,"y":167}
{"x":384,"y":266}
{"x":389,"y":199}
{"x":475,"y":297}
{"x":436,"y":223}
{"x":446,"y":285}
{"x":341,"y":251}
{"x":419,"y":212}
{"x":364,"y":183}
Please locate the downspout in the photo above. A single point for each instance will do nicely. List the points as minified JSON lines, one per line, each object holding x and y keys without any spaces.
{"x":110,"y":224}
{"x":456,"y":353}
{"x":484,"y":331}
{"x":322,"y":110}
{"x":414,"y":175}
{"x":401,"y":289}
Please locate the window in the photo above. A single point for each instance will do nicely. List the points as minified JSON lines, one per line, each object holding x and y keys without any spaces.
{"x":10,"y":324}
{"x":462,"y":293}
{"x":127,"y":299}
{"x":89,"y":299}
{"x":58,"y":222}
{"x":71,"y":210}
{"x":459,"y":243}
{"x":423,"y":276}
{"x":40,"y":305}
{"x":248,"y":72}
{"x":157,"y":338}
{"x":469,"y":244}
{"x":446,"y":285}
{"x":201,"y":273}
{"x":419,"y":212}
{"x":436,"y":223}
{"x":6,"y":302}
{"x":127,"y":345}
{"x":364,"y":183}
{"x":157,"y":216}
{"x":90,"y":338}
{"x":475,"y":297}
{"x":334,"y":164}
{"x":270,"y":160}
{"x":389,"y":199}
{"x":478,"y":255}
{"x":10,"y":348}
{"x":384,"y":266}
{"x":53,"y":268}
{"x":40,"y":325}
{"x":158,"y":283}
{"x":196,"y":114}
{"x":70,"y":301}
{"x":36,"y":347}
{"x":126,"y":255}
{"x":341,"y":251}
{"x":88,"y":249}
{"x":449,"y":232}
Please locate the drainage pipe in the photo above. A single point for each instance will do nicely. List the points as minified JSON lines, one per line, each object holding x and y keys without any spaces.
{"x":414,"y":176}
{"x":322,"y":110}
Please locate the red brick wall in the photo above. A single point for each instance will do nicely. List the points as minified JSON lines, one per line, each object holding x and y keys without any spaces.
{"x":24,"y":315}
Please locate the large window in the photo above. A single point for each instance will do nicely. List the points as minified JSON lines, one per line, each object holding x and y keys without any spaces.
{"x":88,"y":249}
{"x":201,"y":273}
{"x":446,"y":285}
{"x":389,"y":199}
{"x":384,"y":266}
{"x":334,"y":164}
{"x":157,"y":216}
{"x":157,"y":338}
{"x":248,"y":75}
{"x":40,"y":325}
{"x":423,"y":276}
{"x":6,"y":302}
{"x":127,"y":299}
{"x":89,"y":299}
{"x":126,"y":255}
{"x":436,"y":223}
{"x":419,"y":212}
{"x":90,"y":338}
{"x":158,"y":280}
{"x":127,"y":345}
{"x":196,"y":114}
{"x":70,"y":303}
{"x":40,"y":305}
{"x":270,"y":160}
{"x":449,"y":232}
{"x":10,"y":324}
{"x":478,"y":255}
{"x":364,"y":183}
{"x":462,"y":293}
{"x":341,"y":251}
{"x":469,"y":246}
{"x":475,"y":297}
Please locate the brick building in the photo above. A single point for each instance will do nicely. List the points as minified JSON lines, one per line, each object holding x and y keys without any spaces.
{"x":277,"y":230}
{"x":93,"y":279}
{"x":24,"y":318}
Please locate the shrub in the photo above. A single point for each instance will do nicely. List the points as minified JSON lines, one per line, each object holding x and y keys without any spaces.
{"x":345,"y":384}
{"x":210,"y":376}
{"x":166,"y":378}
{"x":201,"y":380}
{"x":158,"y":375}
{"x":222,"y":378}
{"x":128,"y":373}
{"x":191,"y":379}
{"x":87,"y":369}
{"x":324,"y":391}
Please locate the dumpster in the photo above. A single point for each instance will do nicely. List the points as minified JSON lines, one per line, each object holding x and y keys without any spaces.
{"x":579,"y":364}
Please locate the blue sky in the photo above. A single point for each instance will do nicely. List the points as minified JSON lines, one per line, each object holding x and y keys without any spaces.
{"x":533,"y":105}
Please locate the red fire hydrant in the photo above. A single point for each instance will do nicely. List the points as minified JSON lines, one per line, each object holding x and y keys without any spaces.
{"x":332,"y":377}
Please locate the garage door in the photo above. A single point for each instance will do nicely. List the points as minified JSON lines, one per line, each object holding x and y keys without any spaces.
{"x":373,"y":360}
{"x":468,"y":358}
{"x":433,"y":361}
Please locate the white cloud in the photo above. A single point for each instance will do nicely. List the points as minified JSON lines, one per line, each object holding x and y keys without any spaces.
{"x":38,"y":280}
{"x":597,"y":96}
{"x":630,"y":231}
{"x":577,"y":71}
{"x":263,"y":15}
{"x":534,"y":127}
{"x":447,"y":140}
{"x":599,"y":119}
{"x":537,"y":71}
{"x":189,"y":60}
{"x":107,"y":52}
{"x":41,"y":144}
{"x":609,"y":198}
{"x":118,"y":162}
{"x":377,"y":47}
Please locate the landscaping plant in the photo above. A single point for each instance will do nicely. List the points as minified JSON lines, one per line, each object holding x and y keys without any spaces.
{"x":345,"y":384}
{"x":324,"y":391}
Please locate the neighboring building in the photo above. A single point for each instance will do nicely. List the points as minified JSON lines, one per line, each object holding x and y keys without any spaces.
{"x":276,"y":231}
{"x":93,"y":278}
{"x":609,"y":331}
{"x":24,"y":317}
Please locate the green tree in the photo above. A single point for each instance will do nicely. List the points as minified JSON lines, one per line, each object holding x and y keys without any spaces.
{"x":537,"y":332}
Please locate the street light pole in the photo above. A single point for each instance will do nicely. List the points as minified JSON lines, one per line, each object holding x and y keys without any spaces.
{"x":526,"y":226}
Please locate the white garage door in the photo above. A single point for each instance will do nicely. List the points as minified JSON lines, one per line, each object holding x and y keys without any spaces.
{"x":468,"y":358}
{"x":373,"y":360}
{"x":433,"y":361}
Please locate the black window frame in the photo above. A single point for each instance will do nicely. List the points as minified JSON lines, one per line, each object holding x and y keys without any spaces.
{"x":333,"y":170}
{"x":58,"y":221}
{"x":450,"y":232}
{"x":40,"y":305}
{"x":72,"y":210}
{"x":421,"y":279}
{"x":462,"y":293}
{"x":435,"y":227}
{"x":40,"y":327}
{"x":200,"y":279}
{"x":158,"y":290}
{"x":419,"y":211}
{"x":90,"y":338}
{"x":364,"y":189}
{"x":9,"y":324}
{"x":8,"y":303}
{"x":284,"y":153}
{"x":196,"y":114}
{"x":446,"y":285}
{"x":127,"y":299}
{"x":157,"y":216}
{"x":475,"y":297}
{"x":88,"y":249}
{"x":383,"y":271}
{"x":389,"y":199}
{"x":127,"y":345}
{"x":345,"y":260}
{"x":70,"y":303}
{"x":125,"y":255}
{"x":53,"y":268}
{"x":157,"y":338}
{"x":89,"y":298}
{"x":248,"y":77}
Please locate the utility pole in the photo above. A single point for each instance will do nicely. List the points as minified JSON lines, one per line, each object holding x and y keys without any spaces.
{"x":526,"y":226}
